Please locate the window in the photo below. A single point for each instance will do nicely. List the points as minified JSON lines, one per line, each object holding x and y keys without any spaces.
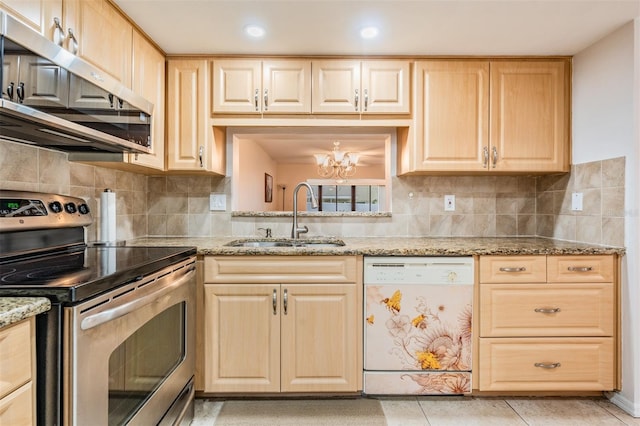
{"x":347,"y":198}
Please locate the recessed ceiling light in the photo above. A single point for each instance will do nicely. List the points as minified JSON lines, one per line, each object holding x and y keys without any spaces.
{"x":254,"y":31}
{"x":369,"y":32}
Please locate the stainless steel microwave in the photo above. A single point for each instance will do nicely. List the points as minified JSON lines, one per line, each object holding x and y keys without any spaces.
{"x":54,"y":99}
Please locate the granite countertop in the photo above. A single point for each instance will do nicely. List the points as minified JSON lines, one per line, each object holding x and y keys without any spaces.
{"x":391,"y":246}
{"x":14,"y":309}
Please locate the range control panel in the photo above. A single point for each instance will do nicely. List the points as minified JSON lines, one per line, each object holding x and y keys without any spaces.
{"x":20,"y":210}
{"x":418,"y":270}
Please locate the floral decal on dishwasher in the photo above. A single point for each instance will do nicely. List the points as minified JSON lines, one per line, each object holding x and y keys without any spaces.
{"x":418,"y":330}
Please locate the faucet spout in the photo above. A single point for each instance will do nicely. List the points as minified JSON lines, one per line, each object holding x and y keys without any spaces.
{"x":296,"y":230}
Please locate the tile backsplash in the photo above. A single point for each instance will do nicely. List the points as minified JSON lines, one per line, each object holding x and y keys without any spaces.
{"x":485,"y":205}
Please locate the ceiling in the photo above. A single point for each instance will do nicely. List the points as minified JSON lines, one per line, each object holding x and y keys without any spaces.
{"x":297,"y":145}
{"x":407,"y":27}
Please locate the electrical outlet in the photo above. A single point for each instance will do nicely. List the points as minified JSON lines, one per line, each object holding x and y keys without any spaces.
{"x":576,"y":201}
{"x":449,"y":203}
{"x":217,"y":202}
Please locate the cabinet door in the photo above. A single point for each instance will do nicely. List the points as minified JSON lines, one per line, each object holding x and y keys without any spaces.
{"x":187,"y":135}
{"x":319,"y":338}
{"x":452,"y":115}
{"x":286,"y":86}
{"x":385,"y":87}
{"x":45,"y":83}
{"x":10,"y":77}
{"x":38,"y":14}
{"x":149,"y":82}
{"x":103,"y":35}
{"x":336,"y":86}
{"x":237,"y":86}
{"x":242,"y":338}
{"x":529,"y":116}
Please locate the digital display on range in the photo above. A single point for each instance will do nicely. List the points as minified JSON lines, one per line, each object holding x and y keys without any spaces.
{"x":12,"y":207}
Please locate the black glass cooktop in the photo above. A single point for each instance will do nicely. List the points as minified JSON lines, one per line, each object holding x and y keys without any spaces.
{"x":78,"y":274}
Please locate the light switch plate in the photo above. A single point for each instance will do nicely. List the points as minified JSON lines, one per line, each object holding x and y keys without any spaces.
{"x":576,"y":201}
{"x":217,"y":202}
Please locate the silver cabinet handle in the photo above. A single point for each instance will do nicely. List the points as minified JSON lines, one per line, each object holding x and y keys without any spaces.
{"x":10,"y":91}
{"x":366,"y":99}
{"x":548,"y":365}
{"x":255,"y":99}
{"x":494,"y":152}
{"x":580,"y":268}
{"x":58,"y":32}
{"x":275,"y":301}
{"x":356,"y":99}
{"x":485,"y":157}
{"x":285,"y":301}
{"x":513,"y":269}
{"x":201,"y":156}
{"x":20,"y":92}
{"x":266,"y":99}
{"x":547,"y":310}
{"x":73,"y":42}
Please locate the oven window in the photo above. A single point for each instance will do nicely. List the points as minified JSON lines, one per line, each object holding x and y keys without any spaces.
{"x":143,"y":361}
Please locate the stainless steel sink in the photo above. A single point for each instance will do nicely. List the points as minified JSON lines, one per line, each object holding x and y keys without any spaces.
{"x":241,"y":243}
{"x":311,"y":243}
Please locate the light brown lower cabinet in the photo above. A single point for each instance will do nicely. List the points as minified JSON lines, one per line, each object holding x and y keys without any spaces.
{"x":548,"y":323}
{"x":17,"y":373}
{"x":282,"y":324}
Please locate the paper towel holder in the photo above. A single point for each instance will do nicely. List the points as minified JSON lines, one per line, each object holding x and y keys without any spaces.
{"x":108,"y":220}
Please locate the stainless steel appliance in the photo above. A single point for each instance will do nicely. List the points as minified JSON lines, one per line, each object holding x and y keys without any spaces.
{"x":418,"y":313}
{"x":52,"y":98}
{"x":117,"y":346}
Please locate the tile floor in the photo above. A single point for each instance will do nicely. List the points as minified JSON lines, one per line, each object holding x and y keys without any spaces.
{"x":430,"y":411}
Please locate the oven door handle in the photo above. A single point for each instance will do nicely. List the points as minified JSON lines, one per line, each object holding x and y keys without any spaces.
{"x":127,"y":307}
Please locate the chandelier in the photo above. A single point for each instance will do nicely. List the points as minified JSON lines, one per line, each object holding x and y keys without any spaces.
{"x":337,"y":163}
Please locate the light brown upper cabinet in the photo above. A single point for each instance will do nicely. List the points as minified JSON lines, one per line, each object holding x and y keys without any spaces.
{"x":192,"y":143}
{"x":261,"y":87}
{"x":489,"y":116}
{"x":148,"y":80}
{"x":44,"y":16}
{"x":361,"y":87}
{"x":98,"y":33}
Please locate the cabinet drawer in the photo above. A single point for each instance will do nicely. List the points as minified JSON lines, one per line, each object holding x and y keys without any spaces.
{"x":15,"y":356}
{"x":582,"y":269}
{"x":17,"y":409}
{"x":280,"y":269}
{"x":513,"y":269}
{"x":572,"y":364}
{"x":546,"y":310}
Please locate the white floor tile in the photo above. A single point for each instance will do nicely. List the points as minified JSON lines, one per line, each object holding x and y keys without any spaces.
{"x":403,"y":412}
{"x":469,"y":412}
{"x":565,"y":412}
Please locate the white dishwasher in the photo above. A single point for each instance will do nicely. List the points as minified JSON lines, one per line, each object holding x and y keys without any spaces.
{"x":417,"y":326}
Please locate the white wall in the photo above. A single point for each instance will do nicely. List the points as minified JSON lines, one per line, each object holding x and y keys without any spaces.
{"x":606,"y":93}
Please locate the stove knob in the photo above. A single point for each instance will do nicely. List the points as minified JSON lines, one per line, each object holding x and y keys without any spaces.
{"x":83,"y":209}
{"x":55,"y":206}
{"x":70,"y":208}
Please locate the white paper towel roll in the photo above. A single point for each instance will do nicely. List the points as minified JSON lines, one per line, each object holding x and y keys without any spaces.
{"x":108,"y":216}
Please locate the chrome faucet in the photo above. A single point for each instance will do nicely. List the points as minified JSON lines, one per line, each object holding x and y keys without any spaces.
{"x":297,"y":230}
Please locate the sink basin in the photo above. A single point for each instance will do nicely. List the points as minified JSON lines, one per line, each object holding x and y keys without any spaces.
{"x":242,"y":243}
{"x":321,"y":244}
{"x":324,"y":243}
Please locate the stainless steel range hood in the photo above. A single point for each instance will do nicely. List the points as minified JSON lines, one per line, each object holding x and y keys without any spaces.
{"x":52,"y":98}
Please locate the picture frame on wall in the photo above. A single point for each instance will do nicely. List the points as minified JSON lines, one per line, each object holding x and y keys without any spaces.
{"x":268,"y":188}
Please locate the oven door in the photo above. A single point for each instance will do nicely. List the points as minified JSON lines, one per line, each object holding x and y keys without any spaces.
{"x":129,"y":355}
